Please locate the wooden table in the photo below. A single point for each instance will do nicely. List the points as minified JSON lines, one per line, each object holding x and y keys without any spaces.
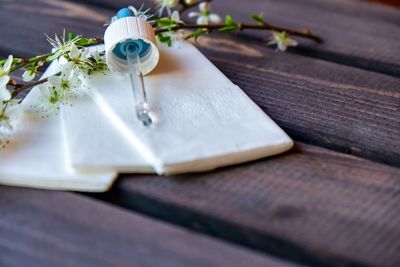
{"x":334,"y":200}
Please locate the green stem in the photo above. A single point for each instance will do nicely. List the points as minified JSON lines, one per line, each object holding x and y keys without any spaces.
{"x":26,"y":62}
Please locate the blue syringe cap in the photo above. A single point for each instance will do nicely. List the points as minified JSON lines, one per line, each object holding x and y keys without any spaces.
{"x":127,"y":29}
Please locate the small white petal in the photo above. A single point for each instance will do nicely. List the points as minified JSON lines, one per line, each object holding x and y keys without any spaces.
{"x":44,"y":90}
{"x":74,"y":51}
{"x":282,"y":47}
{"x":28,"y":76}
{"x":291,"y":42}
{"x":202,"y":20}
{"x":54,"y":81}
{"x":175,"y":16}
{"x":215,"y":19}
{"x":8,"y":63}
{"x":4,"y":94}
{"x":193,"y":14}
{"x":275,"y":34}
{"x":4,"y":81}
{"x":66,"y":69}
{"x":204,"y":7}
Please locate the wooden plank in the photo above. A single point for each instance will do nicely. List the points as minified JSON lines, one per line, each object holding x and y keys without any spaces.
{"x":359,"y":34}
{"x":39,"y":228}
{"x":356,"y":33}
{"x":312,"y":205}
{"x":24,"y":35}
{"x":316,"y":102}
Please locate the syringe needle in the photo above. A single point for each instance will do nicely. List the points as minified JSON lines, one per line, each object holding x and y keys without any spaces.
{"x":135,"y":73}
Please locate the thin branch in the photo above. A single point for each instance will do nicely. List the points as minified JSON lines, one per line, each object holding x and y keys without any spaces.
{"x":22,"y":87}
{"x":304,"y":33}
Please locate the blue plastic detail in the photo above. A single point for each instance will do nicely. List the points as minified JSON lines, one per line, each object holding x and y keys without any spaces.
{"x":142,"y":46}
{"x":125,"y":12}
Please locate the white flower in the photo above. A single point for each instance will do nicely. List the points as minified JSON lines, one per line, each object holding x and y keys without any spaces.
{"x":61,"y":46}
{"x":4,"y":93}
{"x":79,"y":57}
{"x":10,"y":118}
{"x":66,"y":84}
{"x":77,"y":54}
{"x":5,"y":69}
{"x":59,"y":89}
{"x":282,"y":40}
{"x":175,"y":36}
{"x":50,"y":100}
{"x":166,"y":5}
{"x":204,"y":16}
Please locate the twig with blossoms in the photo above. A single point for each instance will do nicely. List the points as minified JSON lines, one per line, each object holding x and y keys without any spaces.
{"x":281,"y":36}
{"x":59,"y":86}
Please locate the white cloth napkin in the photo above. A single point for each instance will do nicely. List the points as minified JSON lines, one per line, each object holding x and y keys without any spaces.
{"x":36,"y":156}
{"x":202,"y":120}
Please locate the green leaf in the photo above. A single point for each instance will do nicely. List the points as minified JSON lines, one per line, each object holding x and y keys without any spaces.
{"x":229,"y":21}
{"x":15,"y":61}
{"x":258,"y":17}
{"x":82,"y":41}
{"x":231,"y":25}
{"x":165,"y":22}
{"x":196,"y":34}
{"x":165,"y":39}
{"x":71,"y":36}
{"x":228,"y":28}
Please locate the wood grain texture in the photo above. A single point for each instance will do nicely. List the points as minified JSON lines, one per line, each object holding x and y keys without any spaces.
{"x":311,"y":205}
{"x":25,"y":35}
{"x":359,"y":34}
{"x":47,"y":229}
{"x":317,"y":102}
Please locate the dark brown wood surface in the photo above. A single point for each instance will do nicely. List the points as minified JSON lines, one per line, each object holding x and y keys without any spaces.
{"x":311,"y":206}
{"x":311,"y":200}
{"x":357,"y":34}
{"x":47,"y":229}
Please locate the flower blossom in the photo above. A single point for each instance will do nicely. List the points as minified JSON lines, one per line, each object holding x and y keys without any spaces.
{"x":205,"y":16}
{"x":282,"y":40}
{"x":166,"y":5}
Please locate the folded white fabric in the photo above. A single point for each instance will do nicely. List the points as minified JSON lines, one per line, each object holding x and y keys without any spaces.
{"x":202,"y":120}
{"x":36,"y":157}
